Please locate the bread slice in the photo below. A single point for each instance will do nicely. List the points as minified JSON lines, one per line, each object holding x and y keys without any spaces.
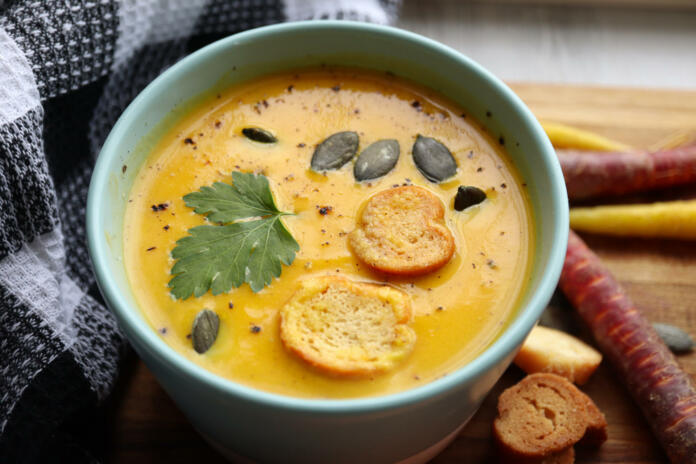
{"x":596,"y":432}
{"x":566,"y":456}
{"x":550,"y":350}
{"x":402,"y":231}
{"x":343,"y":327}
{"x":541,"y":415}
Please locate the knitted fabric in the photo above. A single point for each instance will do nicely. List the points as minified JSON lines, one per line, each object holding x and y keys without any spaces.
{"x":68,"y":68}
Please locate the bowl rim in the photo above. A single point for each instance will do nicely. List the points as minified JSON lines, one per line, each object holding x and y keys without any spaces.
{"x":135,"y":325}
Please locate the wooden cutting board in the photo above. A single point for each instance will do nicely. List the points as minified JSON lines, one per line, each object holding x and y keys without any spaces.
{"x":145,"y":426}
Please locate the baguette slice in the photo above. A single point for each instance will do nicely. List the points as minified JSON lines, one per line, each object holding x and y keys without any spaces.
{"x":343,"y":327}
{"x":402,"y":231}
{"x":550,"y":350}
{"x":596,"y":432}
{"x":541,"y":415}
{"x":566,"y":456}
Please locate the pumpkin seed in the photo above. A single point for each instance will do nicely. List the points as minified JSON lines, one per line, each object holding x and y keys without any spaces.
{"x":376,"y":160}
{"x":675,"y":338}
{"x":335,"y":151}
{"x":205,"y":330}
{"x":467,"y":196}
{"x":433,"y":159}
{"x":259,"y":135}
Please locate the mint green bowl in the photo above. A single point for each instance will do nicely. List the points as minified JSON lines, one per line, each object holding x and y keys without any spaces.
{"x":410,"y":426}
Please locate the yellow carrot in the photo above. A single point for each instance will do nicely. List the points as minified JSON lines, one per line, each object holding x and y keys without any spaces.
{"x":563,"y":136}
{"x":672,"y":219}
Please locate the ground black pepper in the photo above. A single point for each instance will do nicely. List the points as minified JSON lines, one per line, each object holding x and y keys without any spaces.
{"x":159,"y":207}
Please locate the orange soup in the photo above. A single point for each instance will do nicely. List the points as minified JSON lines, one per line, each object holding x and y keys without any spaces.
{"x":458,"y":309}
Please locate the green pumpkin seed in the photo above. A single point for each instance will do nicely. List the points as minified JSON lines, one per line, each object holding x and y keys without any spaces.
{"x":335,"y":151}
{"x":259,"y":135}
{"x":376,"y":160}
{"x":205,"y":330}
{"x":467,"y":196}
{"x":433,"y":159}
{"x":675,"y":338}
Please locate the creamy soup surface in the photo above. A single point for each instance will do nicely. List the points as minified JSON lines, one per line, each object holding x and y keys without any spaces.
{"x":459,"y":309}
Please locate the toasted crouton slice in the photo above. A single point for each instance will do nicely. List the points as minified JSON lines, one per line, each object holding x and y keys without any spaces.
{"x":567,"y":456}
{"x":402,"y":231}
{"x":541,"y":415}
{"x":349,"y":328}
{"x":550,"y":350}
{"x":596,"y":432}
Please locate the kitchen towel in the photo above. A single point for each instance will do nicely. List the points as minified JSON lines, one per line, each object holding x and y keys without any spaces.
{"x":68,"y":68}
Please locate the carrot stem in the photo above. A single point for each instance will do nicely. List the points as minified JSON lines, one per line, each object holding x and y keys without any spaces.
{"x":664,"y":392}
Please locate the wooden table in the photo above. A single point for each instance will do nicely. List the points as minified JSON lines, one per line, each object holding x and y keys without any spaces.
{"x":146,"y":426}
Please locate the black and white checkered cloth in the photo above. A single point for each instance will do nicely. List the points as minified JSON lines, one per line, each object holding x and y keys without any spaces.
{"x":68,"y":68}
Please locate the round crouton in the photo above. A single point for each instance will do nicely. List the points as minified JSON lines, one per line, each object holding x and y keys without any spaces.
{"x":596,"y":432}
{"x":402,"y":231}
{"x":567,"y":456}
{"x":347,"y":328}
{"x":541,"y":415}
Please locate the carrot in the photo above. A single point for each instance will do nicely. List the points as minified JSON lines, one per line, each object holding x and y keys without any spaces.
{"x":665,"y":393}
{"x":669,"y":219}
{"x":563,"y":136}
{"x":616,"y":173}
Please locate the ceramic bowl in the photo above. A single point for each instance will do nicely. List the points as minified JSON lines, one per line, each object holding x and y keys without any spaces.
{"x":410,"y":426}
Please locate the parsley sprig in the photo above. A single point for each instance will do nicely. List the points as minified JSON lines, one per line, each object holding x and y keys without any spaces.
{"x":248,"y":244}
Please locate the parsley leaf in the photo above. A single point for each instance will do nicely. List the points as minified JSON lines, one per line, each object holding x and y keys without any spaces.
{"x":219,"y":257}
